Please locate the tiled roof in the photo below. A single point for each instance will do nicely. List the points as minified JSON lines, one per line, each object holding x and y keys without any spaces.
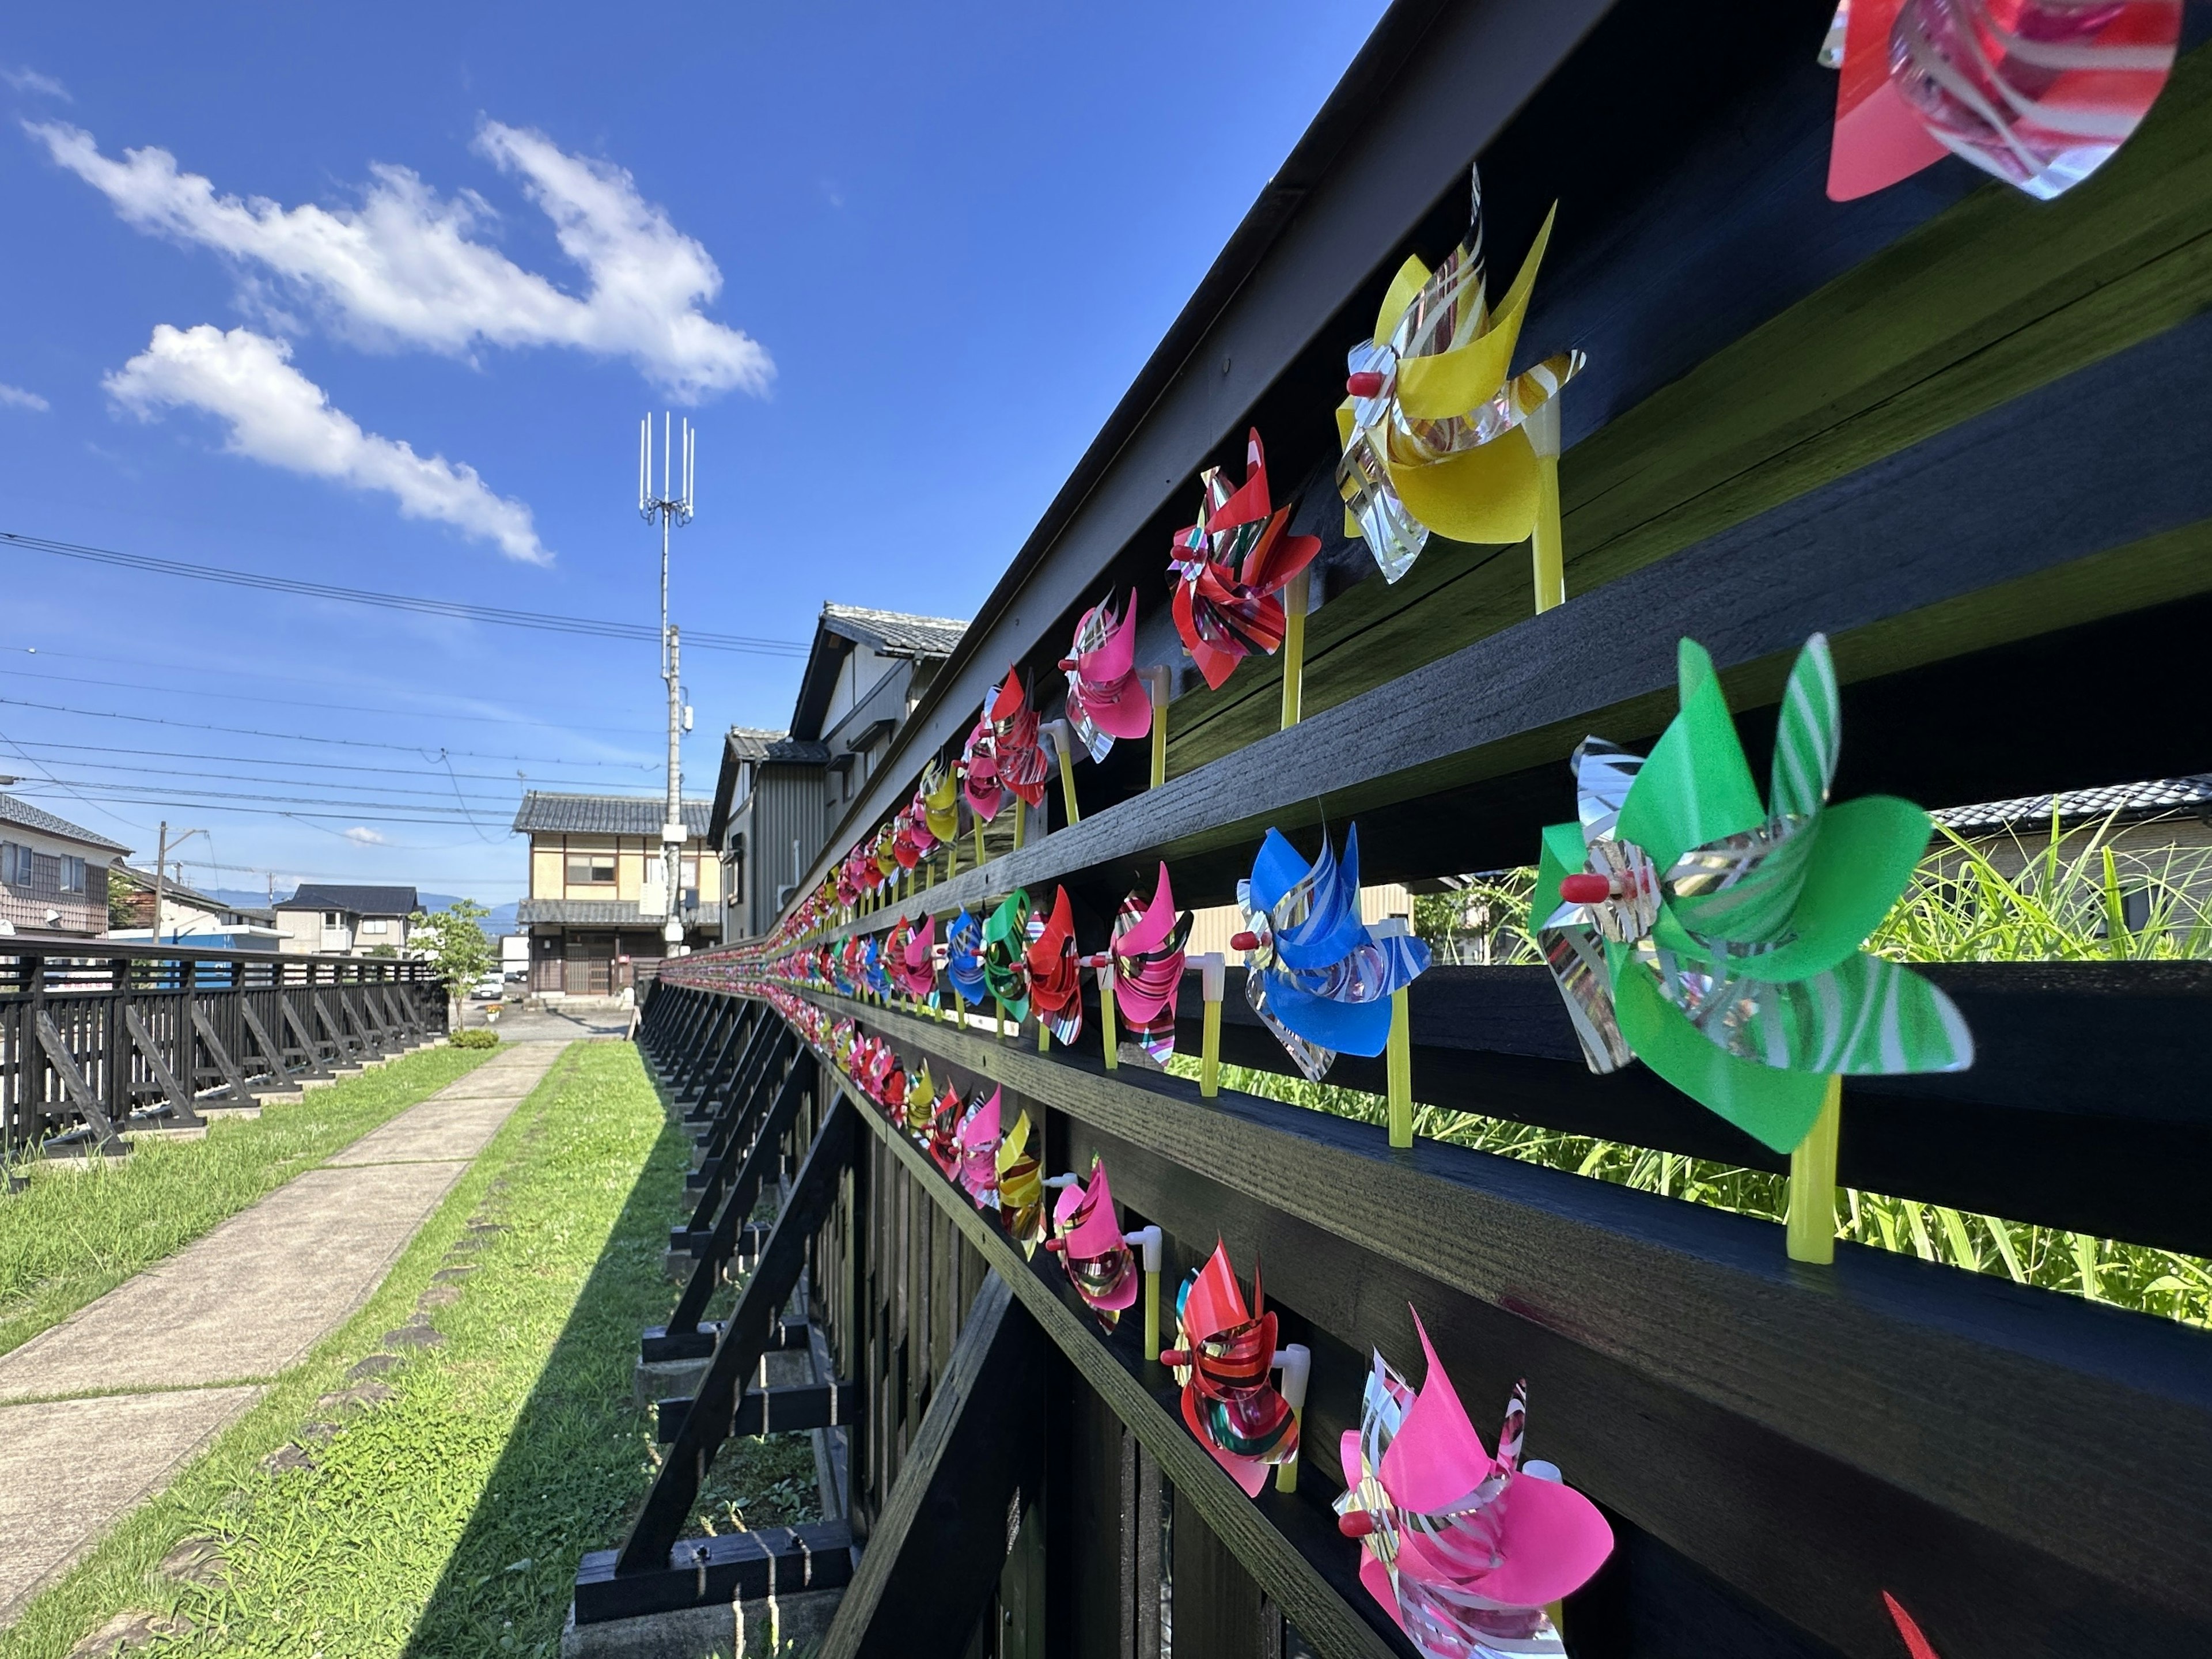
{"x":751,"y":743}
{"x":580,"y":913}
{"x":603,"y":815}
{"x":25,"y":816}
{"x":2128,"y":800}
{"x":361,"y":901}
{"x":178,"y":893}
{"x":797,"y":751}
{"x":895,"y":633}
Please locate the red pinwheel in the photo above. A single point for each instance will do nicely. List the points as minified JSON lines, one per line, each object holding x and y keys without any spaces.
{"x":912,"y":953}
{"x":1225,"y":1367}
{"x":1106,"y":699}
{"x":978,"y":774}
{"x":1022,"y":764}
{"x":977,"y":1142}
{"x":1231,"y":566}
{"x":1055,"y":971}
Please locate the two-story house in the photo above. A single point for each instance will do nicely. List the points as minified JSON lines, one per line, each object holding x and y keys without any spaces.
{"x":597,"y":898}
{"x":188,"y":916}
{"x":779,"y":794}
{"x":337,"y":920}
{"x":53,"y":875}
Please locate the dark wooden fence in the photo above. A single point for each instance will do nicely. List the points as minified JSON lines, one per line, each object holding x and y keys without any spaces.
{"x":1962,"y":433}
{"x":97,"y":1035}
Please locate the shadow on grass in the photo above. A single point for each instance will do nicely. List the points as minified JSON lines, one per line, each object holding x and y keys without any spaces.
{"x":576,"y":1468}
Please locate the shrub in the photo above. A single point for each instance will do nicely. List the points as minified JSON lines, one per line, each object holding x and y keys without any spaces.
{"x":475,"y":1038}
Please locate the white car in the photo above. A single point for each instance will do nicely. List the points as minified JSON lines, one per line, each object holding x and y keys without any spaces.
{"x":490,"y":988}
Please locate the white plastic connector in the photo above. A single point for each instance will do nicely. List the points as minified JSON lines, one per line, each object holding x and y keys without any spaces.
{"x":1544,"y":1471}
{"x":1212,"y":973}
{"x":1150,"y":1239}
{"x":1296,"y":1363}
{"x":1390,"y":927}
{"x":1061,"y":1180}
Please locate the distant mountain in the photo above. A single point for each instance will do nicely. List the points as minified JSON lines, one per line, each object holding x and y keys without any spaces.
{"x":501,"y":920}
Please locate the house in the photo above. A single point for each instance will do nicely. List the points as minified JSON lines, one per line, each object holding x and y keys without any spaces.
{"x":188,"y":917}
{"x":598,"y":902}
{"x":779,"y":794}
{"x":53,"y":875}
{"x":345,"y":921}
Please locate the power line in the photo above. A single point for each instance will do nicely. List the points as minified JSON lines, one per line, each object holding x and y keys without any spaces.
{"x":297,"y":736}
{"x":443,"y":793}
{"x":542,"y":621}
{"x":77,"y":748}
{"x":126,"y":791}
{"x":36,"y":786}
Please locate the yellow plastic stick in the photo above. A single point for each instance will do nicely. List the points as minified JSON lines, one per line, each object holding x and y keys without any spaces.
{"x":980,"y":860}
{"x":1212,"y":976}
{"x":1107,"y":1035}
{"x":1294,"y":648}
{"x":1021,"y":812}
{"x":1152,"y":1316}
{"x":1161,"y":676}
{"x":998,"y":1003}
{"x":1399,"y":1068}
{"x":1063,"y":739}
{"x":1812,"y":1222}
{"x":1044,"y":1036}
{"x":1546,"y":547}
{"x":1297,"y":1363}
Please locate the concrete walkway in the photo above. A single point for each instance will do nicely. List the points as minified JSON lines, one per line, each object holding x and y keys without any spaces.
{"x":175,"y":1355}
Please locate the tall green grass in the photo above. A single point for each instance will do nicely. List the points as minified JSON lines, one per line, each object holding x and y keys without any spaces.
{"x":2066,"y":897}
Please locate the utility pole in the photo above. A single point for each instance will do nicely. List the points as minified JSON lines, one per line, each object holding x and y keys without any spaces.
{"x":162,"y":871}
{"x":673,"y":507}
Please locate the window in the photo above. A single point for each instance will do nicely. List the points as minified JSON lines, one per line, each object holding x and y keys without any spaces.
{"x":733,"y":882}
{"x":591,"y":869}
{"x":15,"y":864}
{"x":333,"y":918}
{"x":72,"y":874}
{"x":377,"y":925}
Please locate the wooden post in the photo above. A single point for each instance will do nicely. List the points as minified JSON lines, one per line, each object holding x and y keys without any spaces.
{"x":1294,"y":646}
{"x":1212,"y":976}
{"x":1812,"y":1217}
{"x":1162,"y":677}
{"x":1547,"y":547}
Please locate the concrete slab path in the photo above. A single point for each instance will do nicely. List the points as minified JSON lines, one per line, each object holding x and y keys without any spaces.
{"x":163,"y":1363}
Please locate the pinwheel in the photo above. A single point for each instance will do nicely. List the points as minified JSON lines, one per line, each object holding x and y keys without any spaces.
{"x":1318,"y":976}
{"x":920,"y":1103}
{"x":1464,"y":1550}
{"x":1231,"y":566}
{"x":944,"y":1140}
{"x":1437,"y":431}
{"x":1020,"y":758}
{"x":1106,"y":699}
{"x":1916,"y":1640}
{"x":2040,"y":93}
{"x":1224,"y":1366}
{"x":1006,"y":960}
{"x":1088,"y":1239}
{"x":963,"y":958}
{"x":1055,"y":971}
{"x":938,"y":797}
{"x":976,"y":1144}
{"x":1717,"y":941}
{"x":1021,"y":1188}
{"x":980,"y":780}
{"x":1148,"y":959}
{"x":906,"y":839}
{"x":914,"y":963}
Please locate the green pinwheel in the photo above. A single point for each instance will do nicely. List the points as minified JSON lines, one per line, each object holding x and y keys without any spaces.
{"x":1717,"y":941}
{"x":1005,"y":955}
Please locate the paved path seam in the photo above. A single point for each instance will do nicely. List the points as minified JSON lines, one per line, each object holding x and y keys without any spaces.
{"x":101,"y":1411}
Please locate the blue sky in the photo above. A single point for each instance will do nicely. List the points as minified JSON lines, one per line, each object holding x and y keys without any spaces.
{"x":378,"y":302}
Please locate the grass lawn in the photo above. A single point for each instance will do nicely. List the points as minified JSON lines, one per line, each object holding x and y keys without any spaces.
{"x":76,"y":1234}
{"x":425,"y":1483}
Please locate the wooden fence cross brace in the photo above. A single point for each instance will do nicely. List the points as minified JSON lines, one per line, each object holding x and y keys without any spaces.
{"x":104,"y":1138}
{"x":309,"y":1050}
{"x":269,"y":1051}
{"x":178,"y":1097}
{"x":222,"y":1060}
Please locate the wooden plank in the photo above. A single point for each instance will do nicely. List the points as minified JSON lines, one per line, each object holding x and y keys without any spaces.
{"x":1218,"y":1608}
{"x":227,"y":1066}
{"x":936,"y":1553}
{"x":104,"y":1140}
{"x":1664,"y":1314}
{"x":179,"y":1098}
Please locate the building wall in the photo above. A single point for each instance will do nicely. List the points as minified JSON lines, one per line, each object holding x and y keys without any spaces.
{"x":636,"y":862}
{"x":24,"y":903}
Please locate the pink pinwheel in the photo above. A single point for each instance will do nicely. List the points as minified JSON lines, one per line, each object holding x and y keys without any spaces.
{"x":1231,"y":566}
{"x":977,"y":1139}
{"x":1020,"y":758}
{"x":1148,"y":959}
{"x":914,"y":963}
{"x":978,"y":774}
{"x":1464,"y":1550}
{"x":1105,"y":698}
{"x":918,"y":831}
{"x":1088,"y":1239}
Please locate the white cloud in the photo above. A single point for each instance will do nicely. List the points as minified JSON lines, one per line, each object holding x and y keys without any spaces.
{"x":27,"y":79}
{"x":363,"y":836}
{"x":404,"y":269}
{"x":278,"y":415}
{"x":15,"y":398}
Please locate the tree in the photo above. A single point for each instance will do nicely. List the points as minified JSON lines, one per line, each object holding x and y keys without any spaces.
{"x":455,"y":943}
{"x":121,"y":891}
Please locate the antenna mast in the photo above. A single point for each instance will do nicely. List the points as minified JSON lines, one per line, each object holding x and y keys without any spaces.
{"x":672,"y":505}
